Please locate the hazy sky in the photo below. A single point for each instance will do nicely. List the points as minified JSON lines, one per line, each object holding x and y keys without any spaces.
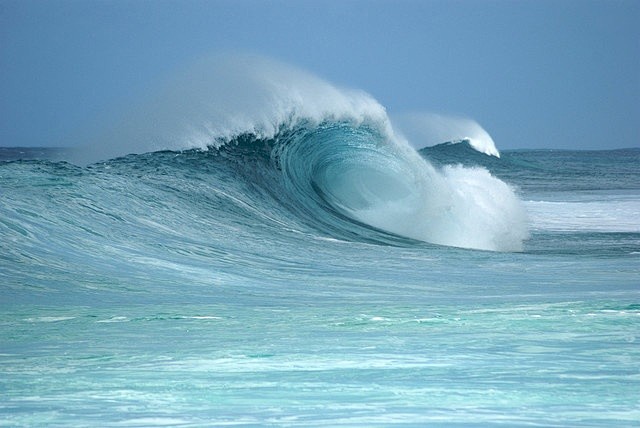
{"x":553,"y":74}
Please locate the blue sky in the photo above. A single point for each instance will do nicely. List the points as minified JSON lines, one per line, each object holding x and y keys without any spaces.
{"x":534,"y":74}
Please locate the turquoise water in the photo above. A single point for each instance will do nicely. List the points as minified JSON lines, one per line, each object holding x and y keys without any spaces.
{"x":258,"y":247}
{"x":174,"y":288}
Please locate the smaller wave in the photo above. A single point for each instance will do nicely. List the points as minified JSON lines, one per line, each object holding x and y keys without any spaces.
{"x":428,"y":129}
{"x":458,"y":151}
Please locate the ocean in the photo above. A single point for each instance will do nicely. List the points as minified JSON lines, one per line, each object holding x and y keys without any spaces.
{"x":321,"y":272}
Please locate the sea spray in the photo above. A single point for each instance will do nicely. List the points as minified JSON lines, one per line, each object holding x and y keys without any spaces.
{"x":222,"y":97}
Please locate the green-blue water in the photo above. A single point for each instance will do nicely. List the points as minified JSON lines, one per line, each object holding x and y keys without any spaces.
{"x":238,"y":286}
{"x":254,"y":246}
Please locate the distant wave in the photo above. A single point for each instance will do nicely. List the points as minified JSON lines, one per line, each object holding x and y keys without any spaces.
{"x":429,"y":129}
{"x":333,"y":156}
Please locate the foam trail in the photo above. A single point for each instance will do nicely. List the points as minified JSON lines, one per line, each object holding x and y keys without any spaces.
{"x":428,"y":129}
{"x":620,"y":215}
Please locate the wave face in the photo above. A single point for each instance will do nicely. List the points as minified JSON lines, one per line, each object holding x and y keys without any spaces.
{"x":331,"y":154}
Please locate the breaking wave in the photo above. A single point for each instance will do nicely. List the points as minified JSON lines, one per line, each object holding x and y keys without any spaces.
{"x":329,"y":156}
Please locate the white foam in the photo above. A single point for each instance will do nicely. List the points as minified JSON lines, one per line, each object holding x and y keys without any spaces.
{"x":457,"y":206}
{"x":48,"y":319}
{"x":114,"y":319}
{"x":204,"y":317}
{"x":599,"y":216}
